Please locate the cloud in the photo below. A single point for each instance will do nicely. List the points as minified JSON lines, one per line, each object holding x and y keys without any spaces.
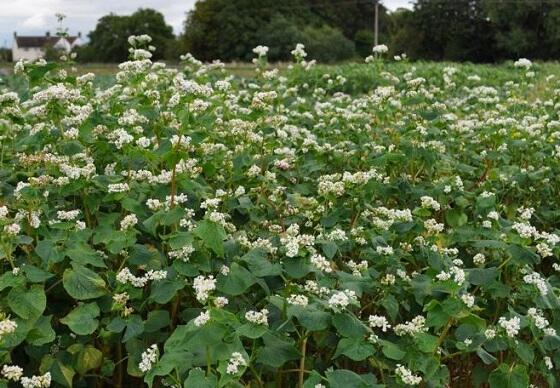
{"x":35,"y":21}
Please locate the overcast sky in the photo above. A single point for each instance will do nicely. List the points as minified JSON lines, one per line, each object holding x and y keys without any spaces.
{"x":35,"y":17}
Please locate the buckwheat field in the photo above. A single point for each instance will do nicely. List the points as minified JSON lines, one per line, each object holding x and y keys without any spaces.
{"x":383,"y":224}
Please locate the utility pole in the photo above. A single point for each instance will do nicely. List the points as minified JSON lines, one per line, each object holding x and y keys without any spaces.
{"x":376,"y":24}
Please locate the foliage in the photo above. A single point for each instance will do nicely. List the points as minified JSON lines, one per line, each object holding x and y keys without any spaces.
{"x":108,"y":41}
{"x":371,"y":225}
{"x":229,"y":30}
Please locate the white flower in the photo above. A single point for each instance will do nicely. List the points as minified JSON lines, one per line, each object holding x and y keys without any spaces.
{"x":468,"y":299}
{"x":261,"y":51}
{"x":548,"y":362}
{"x":202,"y":318}
{"x":341,"y":299}
{"x":319,"y":262}
{"x":406,"y":375}
{"x":12,"y":372}
{"x":538,"y":281}
{"x":523,"y":62}
{"x":43,"y":381}
{"x":379,"y":321}
{"x":417,"y":325}
{"x":203,"y":286}
{"x":7,"y":326}
{"x":149,"y":358}
{"x":257,"y":317}
{"x":479,"y":259}
{"x":298,"y":300}
{"x":129,"y":221}
{"x":511,"y":326}
{"x":490,"y":333}
{"x":380,"y":49}
{"x":236,"y":360}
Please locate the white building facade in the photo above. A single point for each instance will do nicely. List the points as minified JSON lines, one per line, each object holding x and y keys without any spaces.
{"x":34,"y":47}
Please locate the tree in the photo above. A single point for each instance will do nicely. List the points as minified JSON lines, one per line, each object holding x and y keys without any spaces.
{"x":108,"y":41}
{"x":228,"y":30}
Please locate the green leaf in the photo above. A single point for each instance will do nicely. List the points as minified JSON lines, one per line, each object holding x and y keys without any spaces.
{"x":27,"y":303}
{"x":82,"y":320}
{"x":258,"y":263}
{"x":42,"y":332}
{"x":49,"y":252}
{"x":82,"y":283}
{"x":237,"y":281}
{"x":347,"y":325}
{"x":456,"y":218}
{"x":252,"y":331}
{"x":81,"y":253}
{"x":212,"y":234}
{"x":198,"y":378}
{"x":392,"y":351}
{"x":277,"y":350}
{"x":86,"y":357}
{"x":427,"y":343}
{"x":134,"y":327}
{"x":486,"y":357}
{"x":164,"y":290}
{"x":157,"y":320}
{"x":35,"y":274}
{"x":354,"y":348}
{"x":346,"y":378}
{"x":506,"y":376}
{"x":329,"y":249}
{"x":482,"y":276}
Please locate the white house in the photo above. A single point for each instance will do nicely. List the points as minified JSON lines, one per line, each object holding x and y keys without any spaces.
{"x":34,"y":47}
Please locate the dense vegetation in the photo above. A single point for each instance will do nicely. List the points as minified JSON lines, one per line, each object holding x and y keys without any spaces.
{"x":372,"y":225}
{"x":335,"y":30}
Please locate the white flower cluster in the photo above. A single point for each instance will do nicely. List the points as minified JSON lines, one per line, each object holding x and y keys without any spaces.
{"x":321,"y":263}
{"x":379,"y":321}
{"x":298,"y":300}
{"x":202,"y":318}
{"x":12,"y":372}
{"x":42,"y":381}
{"x":203,"y":286}
{"x":183,"y":253}
{"x":257,"y":317}
{"x":129,"y":221}
{"x":125,"y":276}
{"x":406,"y":375}
{"x":7,"y":326}
{"x":260,"y":50}
{"x":430,"y":203}
{"x":415,"y":326}
{"x":538,"y":281}
{"x":537,"y":317}
{"x":511,"y":326}
{"x":236,"y":360}
{"x":341,"y":299}
{"x":149,"y":358}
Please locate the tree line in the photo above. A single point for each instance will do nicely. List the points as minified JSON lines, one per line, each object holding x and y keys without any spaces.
{"x":338,"y":30}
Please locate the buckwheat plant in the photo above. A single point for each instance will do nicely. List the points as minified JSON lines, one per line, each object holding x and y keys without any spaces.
{"x":312,"y":226}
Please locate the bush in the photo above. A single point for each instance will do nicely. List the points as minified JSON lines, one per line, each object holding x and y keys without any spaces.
{"x":327,"y":44}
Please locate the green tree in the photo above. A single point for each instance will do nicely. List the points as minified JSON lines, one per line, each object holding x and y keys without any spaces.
{"x":108,"y":41}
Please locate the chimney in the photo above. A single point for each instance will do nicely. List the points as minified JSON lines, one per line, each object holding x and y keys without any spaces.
{"x":79,"y":34}
{"x":15,"y":34}
{"x":48,"y":34}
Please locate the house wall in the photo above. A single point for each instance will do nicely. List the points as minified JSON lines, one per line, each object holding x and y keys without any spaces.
{"x":31,"y":53}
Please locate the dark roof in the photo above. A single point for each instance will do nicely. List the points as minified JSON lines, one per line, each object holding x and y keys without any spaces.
{"x":40,"y":41}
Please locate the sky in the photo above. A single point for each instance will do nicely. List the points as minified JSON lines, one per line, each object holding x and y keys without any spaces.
{"x":35,"y":17}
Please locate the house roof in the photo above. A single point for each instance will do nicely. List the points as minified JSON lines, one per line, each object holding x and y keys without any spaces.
{"x":40,"y":41}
